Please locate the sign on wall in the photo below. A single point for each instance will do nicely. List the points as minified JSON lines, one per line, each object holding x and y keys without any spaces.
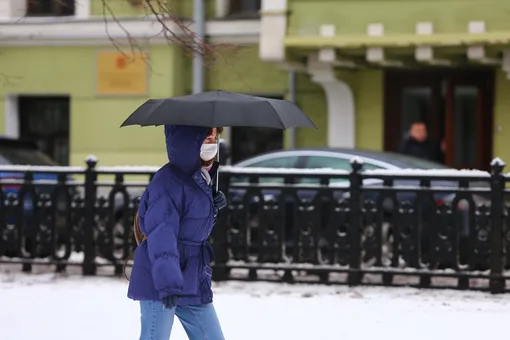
{"x":122,"y":74}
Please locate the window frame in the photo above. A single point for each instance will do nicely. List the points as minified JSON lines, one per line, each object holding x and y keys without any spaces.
{"x":235,"y":9}
{"x":58,"y":9}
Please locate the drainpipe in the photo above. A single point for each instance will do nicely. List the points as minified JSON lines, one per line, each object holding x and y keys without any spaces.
{"x":198,"y":57}
{"x":292,"y":98}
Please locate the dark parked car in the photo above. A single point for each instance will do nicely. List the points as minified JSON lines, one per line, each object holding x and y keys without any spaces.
{"x":16,"y":152}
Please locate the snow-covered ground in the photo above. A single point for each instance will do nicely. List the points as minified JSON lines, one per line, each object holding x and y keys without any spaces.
{"x":54,"y":307}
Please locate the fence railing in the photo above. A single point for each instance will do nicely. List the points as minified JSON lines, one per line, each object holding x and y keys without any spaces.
{"x":426,"y":228}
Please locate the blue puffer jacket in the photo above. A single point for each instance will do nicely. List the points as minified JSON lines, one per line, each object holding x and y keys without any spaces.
{"x":176,"y":214}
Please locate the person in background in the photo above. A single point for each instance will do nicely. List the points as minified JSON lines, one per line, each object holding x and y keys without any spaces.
{"x":171,"y":273}
{"x":418,"y":144}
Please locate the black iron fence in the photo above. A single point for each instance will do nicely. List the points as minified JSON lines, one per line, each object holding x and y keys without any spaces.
{"x":410,"y":227}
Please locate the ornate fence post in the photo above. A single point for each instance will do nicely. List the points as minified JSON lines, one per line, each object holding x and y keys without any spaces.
{"x":497,"y":258}
{"x":355,"y":222}
{"x":89,"y":246}
{"x":220,"y":235}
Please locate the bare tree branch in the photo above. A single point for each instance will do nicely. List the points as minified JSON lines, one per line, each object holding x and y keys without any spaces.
{"x":173,"y":29}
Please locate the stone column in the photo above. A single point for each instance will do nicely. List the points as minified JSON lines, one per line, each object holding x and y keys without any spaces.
{"x":340,"y":104}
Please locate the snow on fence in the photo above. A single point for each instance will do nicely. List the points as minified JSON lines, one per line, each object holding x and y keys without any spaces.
{"x":320,"y":225}
{"x":91,"y":162}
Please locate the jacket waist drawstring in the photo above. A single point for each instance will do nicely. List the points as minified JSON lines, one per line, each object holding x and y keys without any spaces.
{"x":206,"y":250}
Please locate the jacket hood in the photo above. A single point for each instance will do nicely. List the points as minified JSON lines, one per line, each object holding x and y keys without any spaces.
{"x":183,"y":146}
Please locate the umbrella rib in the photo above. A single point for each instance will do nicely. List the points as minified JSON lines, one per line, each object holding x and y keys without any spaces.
{"x":152,"y":111}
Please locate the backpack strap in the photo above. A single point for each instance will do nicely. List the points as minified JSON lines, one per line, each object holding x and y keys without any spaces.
{"x":139,"y":237}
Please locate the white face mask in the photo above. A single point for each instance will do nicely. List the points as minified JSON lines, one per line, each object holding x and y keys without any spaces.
{"x":208,"y":151}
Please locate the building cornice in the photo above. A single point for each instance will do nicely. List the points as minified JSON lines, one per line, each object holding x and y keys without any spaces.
{"x":97,"y":31}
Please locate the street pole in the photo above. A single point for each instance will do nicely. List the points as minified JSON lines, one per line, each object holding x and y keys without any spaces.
{"x":198,"y":56}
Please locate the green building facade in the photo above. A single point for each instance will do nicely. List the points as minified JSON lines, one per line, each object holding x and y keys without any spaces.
{"x":364,"y":70}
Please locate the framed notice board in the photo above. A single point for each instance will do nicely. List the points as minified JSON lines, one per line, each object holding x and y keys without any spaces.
{"x":122,"y":74}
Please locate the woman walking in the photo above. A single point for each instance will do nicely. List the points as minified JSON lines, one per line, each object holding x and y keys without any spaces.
{"x":171,"y":273}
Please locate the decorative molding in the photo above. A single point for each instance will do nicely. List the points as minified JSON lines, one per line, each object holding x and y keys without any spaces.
{"x":424,"y":28}
{"x":340,"y":104}
{"x":375,"y":54}
{"x":477,"y":53}
{"x":328,"y":54}
{"x":425,"y":53}
{"x":476,"y":27}
{"x":51,"y":31}
{"x":375,"y":30}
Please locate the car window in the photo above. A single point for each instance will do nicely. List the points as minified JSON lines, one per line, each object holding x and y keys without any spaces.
{"x":4,"y":161}
{"x":280,"y":162}
{"x":336,"y":163}
{"x":25,"y":156}
{"x":409,"y":162}
{"x":284,"y":162}
{"x":320,"y":162}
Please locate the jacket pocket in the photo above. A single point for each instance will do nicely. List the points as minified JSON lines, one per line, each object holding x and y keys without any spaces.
{"x":190,"y":276}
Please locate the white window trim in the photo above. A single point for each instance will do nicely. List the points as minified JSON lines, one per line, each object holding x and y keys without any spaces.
{"x":82,"y":9}
{"x":222,"y":7}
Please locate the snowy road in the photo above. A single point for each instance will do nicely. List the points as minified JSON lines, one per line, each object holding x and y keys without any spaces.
{"x":49,"y":307}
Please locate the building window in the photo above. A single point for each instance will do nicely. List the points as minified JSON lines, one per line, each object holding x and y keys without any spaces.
{"x":50,"y":8}
{"x":244,"y":8}
{"x":44,"y":120}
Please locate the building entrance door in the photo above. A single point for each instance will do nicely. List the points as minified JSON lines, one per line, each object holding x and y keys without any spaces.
{"x":456,"y":106}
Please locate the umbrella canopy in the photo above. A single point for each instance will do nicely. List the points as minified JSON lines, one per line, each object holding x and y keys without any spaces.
{"x":220,"y":108}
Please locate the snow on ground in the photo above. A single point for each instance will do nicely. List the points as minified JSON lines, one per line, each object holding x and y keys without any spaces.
{"x":55,"y":307}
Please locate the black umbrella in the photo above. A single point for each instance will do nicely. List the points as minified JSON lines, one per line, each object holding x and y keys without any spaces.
{"x":220,"y":108}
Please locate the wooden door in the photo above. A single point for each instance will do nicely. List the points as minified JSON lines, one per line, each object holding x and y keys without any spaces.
{"x":456,"y":106}
{"x":468,"y":120}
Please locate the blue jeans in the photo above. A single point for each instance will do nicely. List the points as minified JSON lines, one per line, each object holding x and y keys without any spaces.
{"x":199,"y":321}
